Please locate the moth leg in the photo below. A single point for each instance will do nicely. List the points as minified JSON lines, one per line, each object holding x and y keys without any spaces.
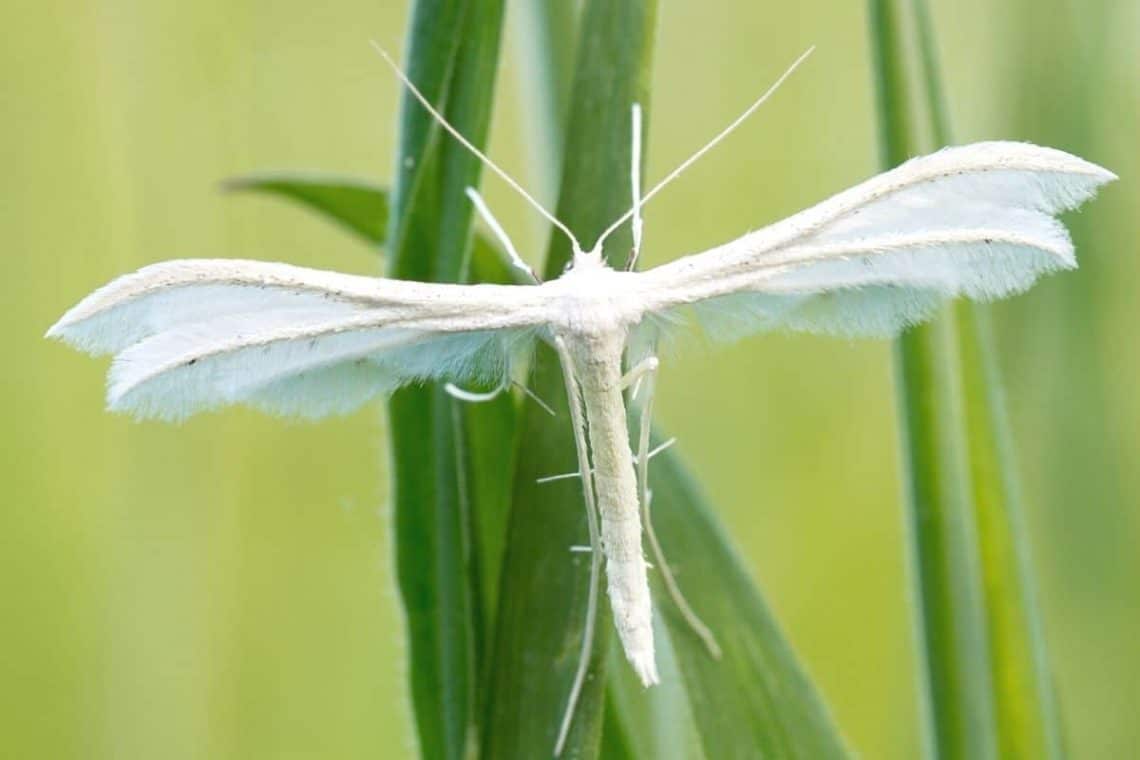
{"x":577,"y":418}
{"x":643,"y":454}
{"x":646,"y":366}
{"x":635,"y":183}
{"x":534,"y":397}
{"x":569,"y":475}
{"x":561,"y":476}
{"x":485,"y":212}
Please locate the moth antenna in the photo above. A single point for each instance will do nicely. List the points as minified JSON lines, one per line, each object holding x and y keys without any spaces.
{"x":475,"y":151}
{"x":705,"y":149}
{"x":474,"y":397}
{"x":485,"y":212}
{"x":635,"y":184}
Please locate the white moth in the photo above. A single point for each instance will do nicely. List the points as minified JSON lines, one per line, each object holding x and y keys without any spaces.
{"x":974,"y":221}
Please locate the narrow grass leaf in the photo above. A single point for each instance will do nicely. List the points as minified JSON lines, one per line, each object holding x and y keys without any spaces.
{"x":756,"y":700}
{"x":361,"y":206}
{"x":490,"y":432}
{"x":358,"y":205}
{"x":986,"y":678}
{"x":617,"y":744}
{"x":543,"y":593}
{"x":452,"y":56}
{"x":956,"y":700}
{"x":1028,"y":725}
{"x":654,"y":723}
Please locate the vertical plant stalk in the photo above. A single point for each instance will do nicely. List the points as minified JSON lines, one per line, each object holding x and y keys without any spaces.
{"x":1028,"y":723}
{"x":956,"y":695}
{"x":1023,"y":702}
{"x":452,"y":55}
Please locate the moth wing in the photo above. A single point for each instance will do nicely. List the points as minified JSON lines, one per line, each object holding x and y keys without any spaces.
{"x":192,"y":335}
{"x":975,"y":221}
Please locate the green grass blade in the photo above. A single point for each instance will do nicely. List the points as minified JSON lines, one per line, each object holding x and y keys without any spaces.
{"x":542,"y":598}
{"x":490,"y":433}
{"x":542,"y":594}
{"x":356,"y":204}
{"x":1028,"y":725}
{"x":1027,"y":720}
{"x":756,"y":700}
{"x":360,"y":206}
{"x":617,"y":744}
{"x":654,"y":723}
{"x":953,"y":651}
{"x":964,"y":495}
{"x":452,"y":56}
{"x":954,"y":669}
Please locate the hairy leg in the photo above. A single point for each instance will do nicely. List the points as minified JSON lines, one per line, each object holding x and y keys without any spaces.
{"x":577,"y":418}
{"x":646,"y":378}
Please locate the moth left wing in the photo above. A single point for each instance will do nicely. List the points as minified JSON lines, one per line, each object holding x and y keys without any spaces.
{"x":975,"y":221}
{"x":195,"y":334}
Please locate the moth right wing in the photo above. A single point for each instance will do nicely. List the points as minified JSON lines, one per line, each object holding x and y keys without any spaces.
{"x":195,"y":334}
{"x":974,"y":221}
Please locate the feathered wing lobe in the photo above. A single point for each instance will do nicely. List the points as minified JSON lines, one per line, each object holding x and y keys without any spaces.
{"x":197,"y":334}
{"x":974,"y":221}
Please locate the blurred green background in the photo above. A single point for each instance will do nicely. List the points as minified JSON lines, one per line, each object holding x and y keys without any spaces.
{"x":224,"y":588}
